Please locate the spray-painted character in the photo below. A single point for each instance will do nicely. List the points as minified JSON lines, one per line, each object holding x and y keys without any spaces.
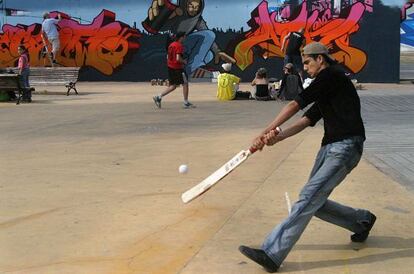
{"x":186,"y":16}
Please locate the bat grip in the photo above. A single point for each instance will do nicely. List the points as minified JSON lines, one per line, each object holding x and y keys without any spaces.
{"x":252,"y":150}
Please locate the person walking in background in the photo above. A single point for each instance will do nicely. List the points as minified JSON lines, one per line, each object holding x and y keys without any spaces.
{"x":295,"y":40}
{"x":50,"y":33}
{"x":336,"y":101}
{"x":24,"y":72}
{"x":176,"y":73}
{"x":227,"y":84}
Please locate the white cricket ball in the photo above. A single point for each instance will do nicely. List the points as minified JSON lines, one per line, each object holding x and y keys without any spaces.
{"x":183,"y":169}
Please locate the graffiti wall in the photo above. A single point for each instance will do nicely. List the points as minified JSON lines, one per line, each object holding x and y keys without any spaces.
{"x":104,"y":45}
{"x":407,"y":27}
{"x":362,"y":35}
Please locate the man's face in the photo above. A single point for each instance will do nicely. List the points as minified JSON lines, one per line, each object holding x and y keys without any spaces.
{"x":312,"y":66}
{"x":193,"y":7}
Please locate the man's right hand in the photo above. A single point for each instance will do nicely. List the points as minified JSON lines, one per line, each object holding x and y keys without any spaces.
{"x":258,"y":142}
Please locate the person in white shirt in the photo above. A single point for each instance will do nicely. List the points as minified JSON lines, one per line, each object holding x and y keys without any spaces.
{"x":50,"y":33}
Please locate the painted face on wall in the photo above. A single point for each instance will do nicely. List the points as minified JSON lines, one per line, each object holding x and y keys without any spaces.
{"x":112,"y":52}
{"x":193,"y":7}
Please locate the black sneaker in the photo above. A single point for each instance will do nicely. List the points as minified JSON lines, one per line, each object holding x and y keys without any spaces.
{"x":157,"y":101}
{"x":260,"y":257}
{"x":361,"y":237}
{"x":188,"y":105}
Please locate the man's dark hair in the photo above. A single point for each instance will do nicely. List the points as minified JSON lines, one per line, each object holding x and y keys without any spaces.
{"x":179,"y":35}
{"x":325,"y":57}
{"x":171,"y":38}
{"x":21,"y":46}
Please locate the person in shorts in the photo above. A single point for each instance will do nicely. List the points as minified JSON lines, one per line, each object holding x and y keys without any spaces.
{"x":176,"y":73}
{"x":50,"y":33}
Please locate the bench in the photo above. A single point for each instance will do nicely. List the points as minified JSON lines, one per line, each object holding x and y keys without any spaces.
{"x":47,"y":76}
{"x":10,"y":82}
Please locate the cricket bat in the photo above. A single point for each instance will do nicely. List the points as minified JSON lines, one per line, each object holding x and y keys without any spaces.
{"x":215,"y":177}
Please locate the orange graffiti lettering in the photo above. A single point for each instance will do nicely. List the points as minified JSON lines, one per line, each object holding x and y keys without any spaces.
{"x":105,"y":44}
{"x":267,"y":33}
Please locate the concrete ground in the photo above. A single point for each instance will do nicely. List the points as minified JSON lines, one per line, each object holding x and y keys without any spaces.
{"x":90,"y":184}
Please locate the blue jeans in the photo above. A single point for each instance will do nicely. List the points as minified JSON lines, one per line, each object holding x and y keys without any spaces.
{"x":24,"y":78}
{"x":24,"y":83}
{"x":197,"y":49}
{"x":333,"y":162}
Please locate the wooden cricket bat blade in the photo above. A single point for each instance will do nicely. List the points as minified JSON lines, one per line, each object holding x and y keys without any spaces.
{"x":215,"y":177}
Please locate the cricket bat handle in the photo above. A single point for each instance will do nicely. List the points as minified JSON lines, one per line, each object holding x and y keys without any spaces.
{"x":253,"y":150}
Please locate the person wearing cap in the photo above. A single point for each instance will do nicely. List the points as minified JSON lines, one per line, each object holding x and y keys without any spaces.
{"x":291,"y":83}
{"x":50,"y":33}
{"x":335,"y":100}
{"x":227,"y":84}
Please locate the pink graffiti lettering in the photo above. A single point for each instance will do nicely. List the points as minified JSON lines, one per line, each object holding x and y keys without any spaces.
{"x":319,"y":25}
{"x":105,"y":44}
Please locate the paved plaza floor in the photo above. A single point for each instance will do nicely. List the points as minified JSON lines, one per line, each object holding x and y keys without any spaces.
{"x":90,"y":184}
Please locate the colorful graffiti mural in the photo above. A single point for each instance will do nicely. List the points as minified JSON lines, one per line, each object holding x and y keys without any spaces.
{"x":405,"y":9}
{"x":105,"y":44}
{"x":407,"y":27}
{"x":407,"y":35}
{"x":217,"y":33}
{"x":186,"y":16}
{"x":320,"y":25}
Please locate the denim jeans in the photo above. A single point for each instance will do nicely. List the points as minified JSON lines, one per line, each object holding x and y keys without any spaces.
{"x":197,"y":49}
{"x":333,"y":162}
{"x":24,"y":83}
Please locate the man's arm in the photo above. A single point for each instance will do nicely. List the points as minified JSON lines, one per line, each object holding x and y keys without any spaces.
{"x":254,"y":80}
{"x":44,"y":38}
{"x":181,"y":59}
{"x":274,"y":136}
{"x":284,"y":41}
{"x":285,"y":114}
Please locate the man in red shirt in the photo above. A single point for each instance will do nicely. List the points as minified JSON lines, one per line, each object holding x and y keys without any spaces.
{"x":176,"y":73}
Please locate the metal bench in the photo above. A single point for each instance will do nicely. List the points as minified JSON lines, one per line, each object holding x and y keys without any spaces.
{"x":10,"y":82}
{"x":47,"y":76}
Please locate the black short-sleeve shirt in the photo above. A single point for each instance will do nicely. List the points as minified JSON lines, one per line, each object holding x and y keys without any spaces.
{"x":336,"y":101}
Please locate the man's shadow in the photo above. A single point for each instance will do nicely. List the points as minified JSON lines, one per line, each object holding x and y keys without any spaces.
{"x":402,"y":248}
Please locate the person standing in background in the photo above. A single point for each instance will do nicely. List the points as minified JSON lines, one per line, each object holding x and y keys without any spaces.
{"x":50,"y":33}
{"x":295,"y":40}
{"x":24,"y":72}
